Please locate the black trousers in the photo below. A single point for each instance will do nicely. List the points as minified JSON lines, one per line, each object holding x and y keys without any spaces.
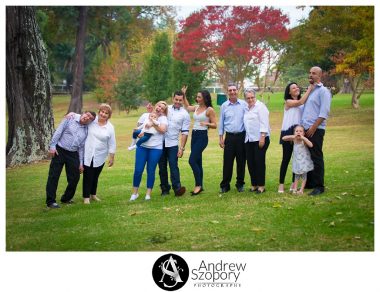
{"x":287,"y":151}
{"x":316,"y":177}
{"x":90,"y":179}
{"x":233,"y":149}
{"x":71,"y":162}
{"x":256,"y":161}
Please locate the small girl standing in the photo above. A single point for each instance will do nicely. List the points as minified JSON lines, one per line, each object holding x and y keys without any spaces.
{"x":302,"y":162}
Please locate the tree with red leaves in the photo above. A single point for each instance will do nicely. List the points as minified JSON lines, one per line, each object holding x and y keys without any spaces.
{"x":229,"y":41}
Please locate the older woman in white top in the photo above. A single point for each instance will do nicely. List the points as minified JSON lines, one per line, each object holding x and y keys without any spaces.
{"x":292,"y":117}
{"x":100,"y":143}
{"x":204,"y":118}
{"x":256,"y":124}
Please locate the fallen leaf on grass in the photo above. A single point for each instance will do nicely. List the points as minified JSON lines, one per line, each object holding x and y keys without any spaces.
{"x":345,"y":193}
{"x":338,"y":197}
{"x":277,"y":205}
{"x":332,"y":224}
{"x":338,"y":213}
{"x":357,"y":237}
{"x":215,"y":221}
{"x":257,"y":229}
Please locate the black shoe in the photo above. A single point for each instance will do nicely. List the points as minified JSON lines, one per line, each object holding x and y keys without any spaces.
{"x":317,"y":191}
{"x":67,"y":202}
{"x":197,"y":193}
{"x":164,"y":193}
{"x":179,"y":192}
{"x":260,"y":192}
{"x":240,"y":189}
{"x":53,"y":206}
{"x":224,"y":190}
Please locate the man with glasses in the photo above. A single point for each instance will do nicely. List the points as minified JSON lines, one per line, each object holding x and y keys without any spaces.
{"x":232,"y":125}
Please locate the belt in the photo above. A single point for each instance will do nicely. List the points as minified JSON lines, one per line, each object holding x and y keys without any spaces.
{"x":235,"y":134}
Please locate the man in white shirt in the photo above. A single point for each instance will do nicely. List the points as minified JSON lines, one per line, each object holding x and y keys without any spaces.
{"x":178,"y":123}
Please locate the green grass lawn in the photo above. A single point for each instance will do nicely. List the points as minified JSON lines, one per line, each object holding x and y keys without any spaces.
{"x":342,"y":219}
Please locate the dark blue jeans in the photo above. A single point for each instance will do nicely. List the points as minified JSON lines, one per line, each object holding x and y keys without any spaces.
{"x":199,"y":141}
{"x":169,"y":154}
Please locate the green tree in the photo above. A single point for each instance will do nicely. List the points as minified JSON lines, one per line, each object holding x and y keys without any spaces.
{"x":181,"y":75}
{"x":129,"y":88}
{"x":339,"y":39}
{"x":157,"y":69}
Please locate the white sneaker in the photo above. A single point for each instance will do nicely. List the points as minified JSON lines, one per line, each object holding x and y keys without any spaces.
{"x":130,"y":148}
{"x":134,"y":197}
{"x":147,"y":197}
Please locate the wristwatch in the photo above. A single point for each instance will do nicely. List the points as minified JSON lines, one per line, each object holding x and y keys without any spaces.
{"x":182,"y":148}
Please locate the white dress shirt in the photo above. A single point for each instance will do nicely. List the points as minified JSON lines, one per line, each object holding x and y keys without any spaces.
{"x":256,"y":121}
{"x":99,"y":143}
{"x":178,"y":122}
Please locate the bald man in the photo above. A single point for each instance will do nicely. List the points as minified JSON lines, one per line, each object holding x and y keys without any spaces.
{"x":315,"y":114}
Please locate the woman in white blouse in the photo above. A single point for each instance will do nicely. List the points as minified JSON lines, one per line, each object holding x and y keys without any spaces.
{"x":292,"y":117}
{"x":100,"y":142}
{"x":256,"y":124}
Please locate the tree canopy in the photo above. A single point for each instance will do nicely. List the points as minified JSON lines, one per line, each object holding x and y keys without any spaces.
{"x":229,"y":41}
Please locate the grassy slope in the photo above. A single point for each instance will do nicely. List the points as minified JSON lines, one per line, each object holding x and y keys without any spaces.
{"x":342,"y":219}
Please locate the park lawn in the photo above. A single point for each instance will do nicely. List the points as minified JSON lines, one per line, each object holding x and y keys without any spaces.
{"x":342,"y":219}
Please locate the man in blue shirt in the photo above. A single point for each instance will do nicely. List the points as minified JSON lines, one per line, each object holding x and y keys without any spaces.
{"x":66,"y":149}
{"x":315,"y":114}
{"x":231,"y":122}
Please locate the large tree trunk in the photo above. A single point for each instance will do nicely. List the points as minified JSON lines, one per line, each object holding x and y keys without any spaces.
{"x":28,"y":88}
{"x":76,"y":102}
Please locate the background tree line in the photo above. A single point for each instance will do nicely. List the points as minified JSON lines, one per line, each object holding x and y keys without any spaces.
{"x":131,"y":53}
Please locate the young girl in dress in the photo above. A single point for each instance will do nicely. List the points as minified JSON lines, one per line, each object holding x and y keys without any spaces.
{"x":302,"y":162}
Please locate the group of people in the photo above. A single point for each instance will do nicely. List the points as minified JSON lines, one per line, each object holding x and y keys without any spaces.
{"x":82,"y":142}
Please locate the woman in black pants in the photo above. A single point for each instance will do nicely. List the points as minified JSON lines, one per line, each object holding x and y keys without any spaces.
{"x":204,"y":118}
{"x":292,"y":117}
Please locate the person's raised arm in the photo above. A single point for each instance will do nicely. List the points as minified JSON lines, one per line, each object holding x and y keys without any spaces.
{"x":293,"y":103}
{"x":188,"y":107}
{"x":288,"y":138}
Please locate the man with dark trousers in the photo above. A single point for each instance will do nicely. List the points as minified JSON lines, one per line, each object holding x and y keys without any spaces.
{"x":67,"y":149}
{"x":231,"y":124}
{"x":178,"y":125}
{"x":315,"y":114}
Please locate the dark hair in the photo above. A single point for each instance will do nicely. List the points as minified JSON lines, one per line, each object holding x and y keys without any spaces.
{"x":179,"y":93}
{"x":91,"y":112}
{"x":287,"y":91}
{"x":206,"y":97}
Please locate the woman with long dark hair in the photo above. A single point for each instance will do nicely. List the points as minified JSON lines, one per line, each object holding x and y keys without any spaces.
{"x":292,"y":117}
{"x":204,"y":118}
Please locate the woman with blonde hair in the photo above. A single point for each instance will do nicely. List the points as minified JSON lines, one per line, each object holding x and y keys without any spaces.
{"x":149,"y":153}
{"x":100,"y":142}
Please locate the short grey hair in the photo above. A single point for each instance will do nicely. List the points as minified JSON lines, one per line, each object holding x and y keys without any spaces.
{"x":250,"y":90}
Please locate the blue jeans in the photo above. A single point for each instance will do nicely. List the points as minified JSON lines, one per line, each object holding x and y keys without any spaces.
{"x":143,"y":139}
{"x":199,"y":143}
{"x":169,"y":154}
{"x":150,"y":157}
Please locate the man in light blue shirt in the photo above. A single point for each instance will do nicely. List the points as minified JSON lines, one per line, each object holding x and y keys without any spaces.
{"x":66,"y":149}
{"x":315,"y":114}
{"x":231,"y":124}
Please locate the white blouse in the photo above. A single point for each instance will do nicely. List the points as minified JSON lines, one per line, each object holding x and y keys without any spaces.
{"x":256,"y":121}
{"x":292,"y":117}
{"x":99,"y":143}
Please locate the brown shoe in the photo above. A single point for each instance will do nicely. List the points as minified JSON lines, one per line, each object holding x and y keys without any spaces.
{"x":179,"y":192}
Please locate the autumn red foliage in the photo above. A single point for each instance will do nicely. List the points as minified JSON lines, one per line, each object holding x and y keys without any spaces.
{"x":229,"y":41}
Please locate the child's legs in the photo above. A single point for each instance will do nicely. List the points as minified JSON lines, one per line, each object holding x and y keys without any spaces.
{"x":304,"y":178}
{"x":143,"y":139}
{"x":136,"y":133}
